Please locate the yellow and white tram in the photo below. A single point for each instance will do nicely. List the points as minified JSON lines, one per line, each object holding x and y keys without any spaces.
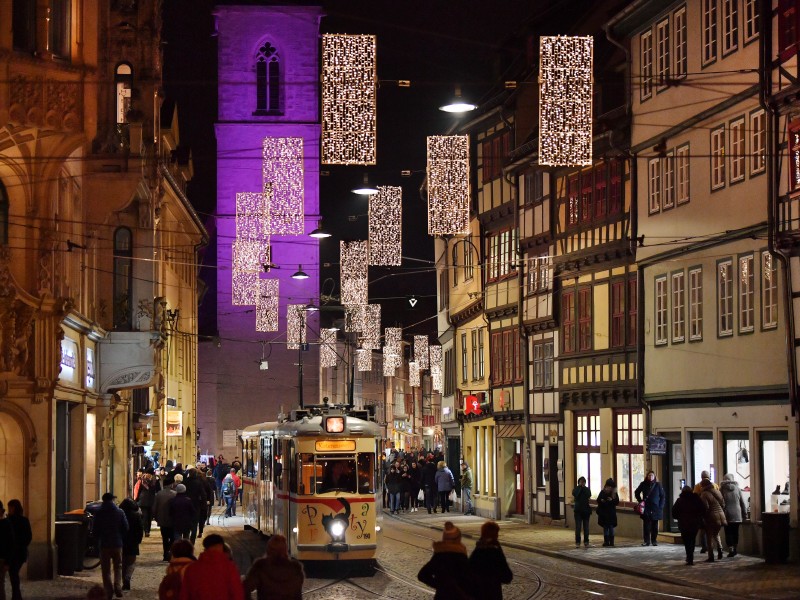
{"x":313,"y":478}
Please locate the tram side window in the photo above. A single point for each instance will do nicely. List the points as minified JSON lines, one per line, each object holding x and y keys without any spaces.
{"x":338,"y":475}
{"x":366,"y":473}
{"x":249,"y":459}
{"x":266,"y":458}
{"x":292,"y":472}
{"x":307,"y":473}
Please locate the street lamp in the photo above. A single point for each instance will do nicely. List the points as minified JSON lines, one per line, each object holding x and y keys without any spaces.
{"x":458,"y":105}
{"x":365,"y":189}
{"x":300,"y":274}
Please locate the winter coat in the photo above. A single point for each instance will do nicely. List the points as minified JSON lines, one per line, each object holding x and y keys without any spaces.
{"x":21,"y":533}
{"x":110,"y":525}
{"x":607,"y":501}
{"x":466,"y":478}
{"x":735,"y":508}
{"x":135,"y":533}
{"x":161,"y":507}
{"x":653,"y":495}
{"x":429,"y":475}
{"x":147,"y":493}
{"x":689,"y":510}
{"x":715,"y":506}
{"x":444,"y":480}
{"x":392,"y":482}
{"x":196,"y":490}
{"x":181,"y":511}
{"x":581,"y":495}
{"x":170,"y":587}
{"x":489,"y":570}
{"x":405,"y":480}
{"x":6,"y":540}
{"x":213,"y":576}
{"x":416,"y":479}
{"x":448,"y":572}
{"x":275,"y":578}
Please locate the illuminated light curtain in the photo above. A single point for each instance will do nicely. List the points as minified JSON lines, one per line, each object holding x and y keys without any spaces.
{"x":390,"y":362}
{"x":565,"y":100}
{"x":253,"y":215}
{"x":283,"y":173}
{"x":353,"y":265}
{"x":267,"y":305}
{"x":250,"y":250}
{"x":364,"y":359}
{"x":371,"y":330}
{"x":437,"y":382}
{"x":421,"y":351}
{"x":435,"y":354}
{"x":393,"y":339}
{"x":413,"y":374}
{"x":327,"y":348}
{"x":349,"y":91}
{"x":385,"y":226}
{"x":354,"y":318}
{"x":251,"y":256}
{"x":448,"y":184}
{"x":295,"y":325}
{"x":244,"y":288}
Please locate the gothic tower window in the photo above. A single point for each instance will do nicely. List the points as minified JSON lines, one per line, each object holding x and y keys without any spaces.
{"x":268,"y":81}
{"x":123,"y":84}
{"x":123,"y":278}
{"x":59,"y":26}
{"x":24,"y":25}
{"x":3,"y":214}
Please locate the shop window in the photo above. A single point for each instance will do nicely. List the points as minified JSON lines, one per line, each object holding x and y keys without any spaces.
{"x":587,"y":449}
{"x":629,"y":450}
{"x":775,"y":471}
{"x":737,"y":461}
{"x":702,"y":455}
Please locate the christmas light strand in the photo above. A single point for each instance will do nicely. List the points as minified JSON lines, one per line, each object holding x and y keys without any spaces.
{"x":437,"y":382}
{"x":448,"y":184}
{"x":295,"y":325}
{"x":371,"y":331}
{"x":353,"y":265}
{"x":283,"y":173}
{"x":386,"y":226}
{"x":393,"y":339}
{"x":390,"y":362}
{"x":349,"y":86}
{"x":565,"y":100}
{"x":364,"y":359}
{"x":435,"y":354}
{"x":267,"y":305}
{"x":421,"y":351}
{"x":244,"y":288}
{"x":252,"y":215}
{"x":327,"y":348}
{"x":251,"y":256}
{"x":413,"y":374}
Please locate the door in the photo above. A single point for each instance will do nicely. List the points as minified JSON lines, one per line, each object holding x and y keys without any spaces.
{"x":454,"y":460}
{"x":674,"y":478}
{"x":519,"y":479}
{"x":553,"y":491}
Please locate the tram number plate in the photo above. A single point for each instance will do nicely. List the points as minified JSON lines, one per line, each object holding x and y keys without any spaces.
{"x":335,"y":445}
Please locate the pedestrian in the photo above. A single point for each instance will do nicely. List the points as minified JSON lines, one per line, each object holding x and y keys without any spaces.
{"x":488,"y":564}
{"x":405,"y":486}
{"x":211,"y":493}
{"x":196,"y":492}
{"x":582,"y":511}
{"x":466,"y":488}
{"x":689,"y":511}
{"x":131,"y":540}
{"x":21,"y":534}
{"x":714,"y":517}
{"x":392,"y":483}
{"x":163,"y":518}
{"x":220,"y":472}
{"x":5,"y":549}
{"x":229,"y":494}
{"x":698,"y":489}
{"x":182,"y":552}
{"x":109,"y":528}
{"x":429,"y":483}
{"x":213,"y":576}
{"x":415,"y":483}
{"x":735,"y":511}
{"x":651,"y":492}
{"x":607,"y":501}
{"x":181,"y":511}
{"x":146,"y":499}
{"x":448,"y":569}
{"x":275,"y":576}
{"x":445,"y":482}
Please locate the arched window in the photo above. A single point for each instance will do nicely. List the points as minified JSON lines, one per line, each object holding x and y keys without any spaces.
{"x":123,"y":80}
{"x":123,"y":279}
{"x":268,"y":81}
{"x":3,"y":214}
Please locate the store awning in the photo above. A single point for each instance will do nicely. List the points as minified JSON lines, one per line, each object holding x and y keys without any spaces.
{"x":505,"y":430}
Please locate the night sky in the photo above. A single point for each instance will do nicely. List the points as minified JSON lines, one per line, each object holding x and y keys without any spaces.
{"x":435,"y":44}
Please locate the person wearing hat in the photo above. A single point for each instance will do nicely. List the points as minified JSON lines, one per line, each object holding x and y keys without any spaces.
{"x":275,"y":575}
{"x":110,"y":526}
{"x":488,"y":564}
{"x":448,"y":569}
{"x":607,"y":501}
{"x":213,"y":576}
{"x":182,"y":513}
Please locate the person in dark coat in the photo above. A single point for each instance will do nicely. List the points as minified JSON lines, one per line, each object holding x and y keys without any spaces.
{"x":21,"y":535}
{"x":392,"y":483}
{"x":131,"y":540}
{"x":488,"y":564}
{"x":607,"y":501}
{"x":448,"y":569}
{"x":429,"y":484}
{"x":714,"y":518}
{"x":5,"y":549}
{"x":653,"y":495}
{"x":196,"y":491}
{"x":146,"y":499}
{"x":582,"y":511}
{"x":110,"y":527}
{"x":275,"y":576}
{"x":445,"y":482}
{"x":415,"y":482}
{"x":405,"y":486}
{"x":181,"y":511}
{"x":689,"y":510}
{"x":162,"y":516}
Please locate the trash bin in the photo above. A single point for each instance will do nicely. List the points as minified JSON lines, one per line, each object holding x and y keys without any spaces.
{"x":775,"y":537}
{"x":67,"y":538}
{"x":83,"y":535}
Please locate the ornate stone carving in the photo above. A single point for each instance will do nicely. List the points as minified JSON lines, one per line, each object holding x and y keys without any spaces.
{"x":26,"y":98}
{"x":34,"y":451}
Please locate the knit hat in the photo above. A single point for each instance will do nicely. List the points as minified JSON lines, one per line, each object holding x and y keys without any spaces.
{"x":180,"y":488}
{"x":489,"y":531}
{"x":451,"y":533}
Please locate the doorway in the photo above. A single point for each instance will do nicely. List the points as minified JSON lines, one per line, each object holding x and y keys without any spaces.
{"x":553,"y":491}
{"x":519,"y":479}
{"x":12,"y":460}
{"x":673,"y":477}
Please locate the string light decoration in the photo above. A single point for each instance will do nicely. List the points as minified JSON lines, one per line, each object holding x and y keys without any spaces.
{"x":413,"y":374}
{"x":371,"y":330}
{"x":437,"y":382}
{"x":390,"y":362}
{"x":349,"y":92}
{"x":267,"y":305}
{"x":386,"y":226}
{"x":565,"y":100}
{"x":244,"y":287}
{"x":253,"y":215}
{"x":327,"y":348}
{"x":364,"y":359}
{"x":353,"y":265}
{"x":251,"y":256}
{"x":295,"y":325}
{"x":283,"y":175}
{"x":393,"y":339}
{"x":435,"y":354}
{"x":354,"y":318}
{"x":421,"y":351}
{"x":448,"y":184}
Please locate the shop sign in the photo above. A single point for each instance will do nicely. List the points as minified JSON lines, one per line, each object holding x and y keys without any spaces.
{"x":472,"y":405}
{"x":69,"y":360}
{"x":90,"y":368}
{"x":656,"y":444}
{"x":174,"y":423}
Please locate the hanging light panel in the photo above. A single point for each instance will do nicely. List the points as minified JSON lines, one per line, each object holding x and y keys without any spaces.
{"x":390,"y":362}
{"x":327,"y":348}
{"x":364,"y":359}
{"x":295,"y":325}
{"x":244,"y":287}
{"x":349,"y":86}
{"x":413,"y":374}
{"x":565,"y":100}
{"x":393,"y":339}
{"x":353,"y":262}
{"x":448,"y":184}
{"x":421,"y":351}
{"x":252,"y":214}
{"x":267,"y":305}
{"x":283,"y":174}
{"x":437,"y":382}
{"x":251,"y":256}
{"x":385,"y":226}
{"x":435,"y":354}
{"x":371,"y":328}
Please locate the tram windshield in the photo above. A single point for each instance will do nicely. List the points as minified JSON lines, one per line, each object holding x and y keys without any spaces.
{"x":338,"y":475}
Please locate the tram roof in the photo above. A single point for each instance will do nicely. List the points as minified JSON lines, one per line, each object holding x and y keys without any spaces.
{"x":313,"y":425}
{"x":258,"y":428}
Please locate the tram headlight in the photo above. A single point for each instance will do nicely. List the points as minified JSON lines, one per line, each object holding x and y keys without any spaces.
{"x":337,"y":528}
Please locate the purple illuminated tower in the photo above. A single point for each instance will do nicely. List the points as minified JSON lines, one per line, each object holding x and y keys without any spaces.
{"x":268,"y":88}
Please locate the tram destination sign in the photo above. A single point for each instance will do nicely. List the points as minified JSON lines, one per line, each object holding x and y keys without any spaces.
{"x":335,"y":445}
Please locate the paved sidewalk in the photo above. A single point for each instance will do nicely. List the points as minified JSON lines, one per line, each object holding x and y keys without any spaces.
{"x":741,"y":576}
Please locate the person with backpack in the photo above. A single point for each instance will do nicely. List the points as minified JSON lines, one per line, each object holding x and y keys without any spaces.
{"x":182,"y":556}
{"x":228,"y":488}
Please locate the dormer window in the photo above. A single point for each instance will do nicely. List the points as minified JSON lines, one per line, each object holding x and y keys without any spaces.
{"x":268,"y":81}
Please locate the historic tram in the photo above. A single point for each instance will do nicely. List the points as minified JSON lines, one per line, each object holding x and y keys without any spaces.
{"x":314,"y":479}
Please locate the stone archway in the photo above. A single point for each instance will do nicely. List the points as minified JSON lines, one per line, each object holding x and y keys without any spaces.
{"x":13,"y":462}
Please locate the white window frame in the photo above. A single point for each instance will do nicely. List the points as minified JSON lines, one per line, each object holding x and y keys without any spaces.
{"x":725,"y":298}
{"x":758,"y":142}
{"x":662,"y":53}
{"x":464,"y":355}
{"x":481,"y":354}
{"x":682,"y":173}
{"x":646,"y":64}
{"x":668,"y":181}
{"x":769,"y":291}
{"x":654,"y":185}
{"x":661,"y":311}
{"x":750,"y":18}
{"x":717,"y":162}
{"x":710,"y":31}
{"x":695,"y":304}
{"x":678,"y":293}
{"x":730,"y":26}
{"x":681,"y":48}
{"x":747,"y":293}
{"x":469,"y":262}
{"x":738,"y":162}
